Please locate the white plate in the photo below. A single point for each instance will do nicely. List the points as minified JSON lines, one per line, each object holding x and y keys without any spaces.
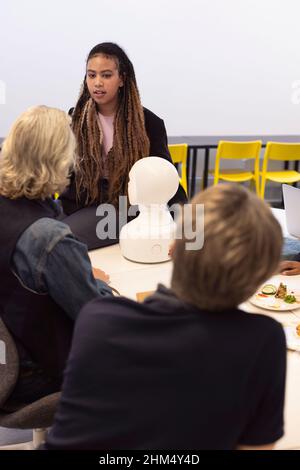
{"x":292,"y":339}
{"x":271,"y":303}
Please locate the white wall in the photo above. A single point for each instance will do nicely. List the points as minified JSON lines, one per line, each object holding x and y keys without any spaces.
{"x":205,"y":66}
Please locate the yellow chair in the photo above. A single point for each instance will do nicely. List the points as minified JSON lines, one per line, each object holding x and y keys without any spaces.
{"x":238,"y":151}
{"x":282,"y":152}
{"x":179,"y":154}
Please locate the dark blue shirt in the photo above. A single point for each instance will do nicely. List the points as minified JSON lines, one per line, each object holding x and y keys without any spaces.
{"x":166,"y":375}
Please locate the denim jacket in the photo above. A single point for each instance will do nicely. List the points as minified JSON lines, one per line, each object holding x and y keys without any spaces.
{"x":49,"y":259}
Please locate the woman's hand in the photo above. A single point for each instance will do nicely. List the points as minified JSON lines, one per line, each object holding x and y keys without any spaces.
{"x":99,"y":274}
{"x":289,"y":268}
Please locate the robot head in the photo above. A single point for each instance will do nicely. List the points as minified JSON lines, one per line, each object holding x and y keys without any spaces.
{"x":152,"y":180}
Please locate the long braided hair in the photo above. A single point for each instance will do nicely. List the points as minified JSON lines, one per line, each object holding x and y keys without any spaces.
{"x":130,"y":140}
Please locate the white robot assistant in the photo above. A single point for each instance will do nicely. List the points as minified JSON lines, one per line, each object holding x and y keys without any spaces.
{"x":153,"y":181}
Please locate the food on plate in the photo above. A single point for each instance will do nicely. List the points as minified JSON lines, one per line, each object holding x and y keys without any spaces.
{"x":274,"y":297}
{"x":281,"y":291}
{"x":298,"y":330}
{"x":290,"y":299}
{"x":269,"y":289}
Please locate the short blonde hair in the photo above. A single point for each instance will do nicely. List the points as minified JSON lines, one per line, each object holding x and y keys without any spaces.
{"x":37,"y":155}
{"x":242,"y":247}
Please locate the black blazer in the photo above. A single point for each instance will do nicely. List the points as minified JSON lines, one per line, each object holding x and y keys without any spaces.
{"x":157,"y":135}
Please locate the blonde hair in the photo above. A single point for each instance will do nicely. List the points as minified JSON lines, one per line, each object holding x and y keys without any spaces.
{"x":242,"y":247}
{"x":37,"y":155}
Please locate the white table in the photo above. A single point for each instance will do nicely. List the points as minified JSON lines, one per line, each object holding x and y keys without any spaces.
{"x":129,"y":278}
{"x":291,"y":439}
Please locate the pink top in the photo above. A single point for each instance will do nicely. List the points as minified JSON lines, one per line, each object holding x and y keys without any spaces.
{"x":107,"y":126}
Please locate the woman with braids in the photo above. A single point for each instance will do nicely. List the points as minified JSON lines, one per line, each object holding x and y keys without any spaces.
{"x":113,"y":131}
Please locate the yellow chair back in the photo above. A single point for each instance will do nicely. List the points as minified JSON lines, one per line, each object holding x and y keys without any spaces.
{"x":280,"y":151}
{"x":179,"y":154}
{"x":238,"y":151}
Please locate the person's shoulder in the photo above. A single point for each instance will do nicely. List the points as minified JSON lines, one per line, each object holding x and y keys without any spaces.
{"x":42,"y":237}
{"x":266,"y":328}
{"x":109,"y":309}
{"x":150,"y":117}
{"x":46,"y":230}
{"x":265,"y":321}
{"x":53,"y":225}
{"x":155,"y":128}
{"x":110,"y":306}
{"x":106,"y":315}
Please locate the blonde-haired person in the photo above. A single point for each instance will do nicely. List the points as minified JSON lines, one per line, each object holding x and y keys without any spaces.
{"x":37,"y":155}
{"x":46,"y":273}
{"x":186,"y":369}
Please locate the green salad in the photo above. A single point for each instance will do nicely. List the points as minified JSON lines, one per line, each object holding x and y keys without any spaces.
{"x":289,"y":299}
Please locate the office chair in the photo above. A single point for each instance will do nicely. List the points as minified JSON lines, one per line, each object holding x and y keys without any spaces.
{"x":38,"y":415}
